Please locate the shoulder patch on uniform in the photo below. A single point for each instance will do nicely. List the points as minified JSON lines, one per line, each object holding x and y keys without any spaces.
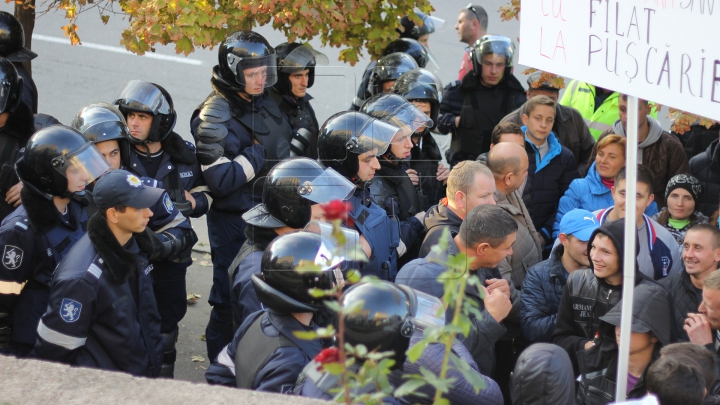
{"x":94,"y":270}
{"x":190,"y":145}
{"x":12,"y":257}
{"x":70,"y":310}
{"x":186,"y":175}
{"x":167,"y":202}
{"x":21,"y":226}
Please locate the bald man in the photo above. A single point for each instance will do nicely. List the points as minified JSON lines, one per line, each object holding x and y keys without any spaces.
{"x":508,"y":163}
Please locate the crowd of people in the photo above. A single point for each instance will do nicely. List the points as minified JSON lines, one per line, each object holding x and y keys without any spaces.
{"x":96,"y":234}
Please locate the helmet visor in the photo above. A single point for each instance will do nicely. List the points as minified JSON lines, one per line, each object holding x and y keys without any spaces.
{"x":495,"y":45}
{"x":432,"y":24}
{"x":299,"y":58}
{"x":375,"y":135}
{"x":344,"y":250}
{"x":328,"y":186}
{"x":430,"y":312}
{"x":86,"y":165}
{"x":394,"y":65}
{"x":90,"y":117}
{"x":409,"y":119}
{"x":143,"y":96}
{"x":259,"y":72}
{"x":5,"y":91}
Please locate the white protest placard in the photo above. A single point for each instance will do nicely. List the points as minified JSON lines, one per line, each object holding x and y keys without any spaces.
{"x":667,"y":51}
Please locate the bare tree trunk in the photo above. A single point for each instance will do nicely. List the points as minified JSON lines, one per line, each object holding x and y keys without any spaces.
{"x":26,"y":14}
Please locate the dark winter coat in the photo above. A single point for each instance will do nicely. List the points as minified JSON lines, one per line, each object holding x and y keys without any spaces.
{"x":437,"y":218}
{"x":102,"y":310}
{"x":706,"y":168}
{"x":462,"y":393}
{"x":685,"y":297}
{"x":424,"y":159}
{"x":547,"y":181}
{"x":571,"y":130}
{"x":598,"y":365}
{"x":543,"y":375}
{"x":542,"y":291}
{"x":13,"y":136}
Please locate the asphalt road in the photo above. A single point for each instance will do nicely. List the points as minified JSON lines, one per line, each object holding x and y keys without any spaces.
{"x":70,"y":77}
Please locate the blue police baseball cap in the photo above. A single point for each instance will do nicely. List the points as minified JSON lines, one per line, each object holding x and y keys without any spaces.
{"x":120,"y":187}
{"x":579,"y":223}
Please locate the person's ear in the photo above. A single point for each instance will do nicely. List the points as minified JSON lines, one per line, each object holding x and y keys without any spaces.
{"x":508,"y":178}
{"x":480,"y":249}
{"x":650,"y":200}
{"x":524,"y":119}
{"x":563,"y":239}
{"x":112,"y":215}
{"x":460,"y":199}
{"x":612,"y":191}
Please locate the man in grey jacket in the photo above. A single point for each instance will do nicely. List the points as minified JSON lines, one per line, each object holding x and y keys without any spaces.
{"x":508,"y":163}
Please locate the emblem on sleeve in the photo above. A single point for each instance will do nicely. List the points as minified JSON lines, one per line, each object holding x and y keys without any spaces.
{"x":12,"y":257}
{"x":167,"y":202}
{"x":70,"y":310}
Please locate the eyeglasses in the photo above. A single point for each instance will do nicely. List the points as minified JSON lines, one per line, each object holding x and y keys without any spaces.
{"x":472,"y":8}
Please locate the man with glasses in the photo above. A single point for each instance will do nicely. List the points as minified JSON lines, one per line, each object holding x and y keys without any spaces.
{"x":471,"y":109}
{"x":471,"y":26}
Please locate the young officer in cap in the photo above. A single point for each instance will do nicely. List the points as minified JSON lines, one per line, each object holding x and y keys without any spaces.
{"x":102,"y":310}
{"x":545,"y":281}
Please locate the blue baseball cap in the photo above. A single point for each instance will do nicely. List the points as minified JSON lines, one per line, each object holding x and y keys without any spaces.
{"x":579,"y":223}
{"x":120,"y":187}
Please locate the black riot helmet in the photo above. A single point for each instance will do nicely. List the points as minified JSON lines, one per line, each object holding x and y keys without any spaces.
{"x":389,"y":316}
{"x":11,"y":85}
{"x":100,"y":122}
{"x":48,"y":156}
{"x":293,"y":58}
{"x":413,"y":48}
{"x":148,"y":98}
{"x":291,"y":188}
{"x":280,"y":288}
{"x":493,"y":44}
{"x":245,"y":50}
{"x":12,"y":39}
{"x":420,"y":85}
{"x":389,"y":68}
{"x":411,"y":30}
{"x":348,"y":134}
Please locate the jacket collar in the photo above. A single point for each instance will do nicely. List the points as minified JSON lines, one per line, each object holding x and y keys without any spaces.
{"x":556,"y":267}
{"x":119,"y":261}
{"x":286,"y":324}
{"x":554,"y":150}
{"x":595,"y":182}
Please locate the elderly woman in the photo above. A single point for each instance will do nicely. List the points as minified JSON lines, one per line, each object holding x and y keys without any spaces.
{"x":594,"y":191}
{"x":679,"y":215}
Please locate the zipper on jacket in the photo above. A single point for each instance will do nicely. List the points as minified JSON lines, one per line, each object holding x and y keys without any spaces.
{"x":609,"y":293}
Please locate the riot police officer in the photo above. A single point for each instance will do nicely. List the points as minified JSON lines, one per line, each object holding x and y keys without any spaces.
{"x":57,"y":163}
{"x":240,"y":134}
{"x":265,"y":354}
{"x":16,"y":127}
{"x":420,"y":33}
{"x":101,"y":312}
{"x":471,"y":109}
{"x":296,"y":73}
{"x":12,"y":48}
{"x":168,"y":236}
{"x":291,"y":194}
{"x":409,"y":46}
{"x":350,"y":142}
{"x":422,"y":88}
{"x":389,"y":316}
{"x":158,"y":153}
{"x":392,"y":188}
{"x":388,"y":69}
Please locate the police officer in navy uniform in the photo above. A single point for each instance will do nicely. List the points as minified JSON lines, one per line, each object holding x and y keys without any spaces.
{"x":240,"y":135}
{"x":265,"y":354}
{"x":12,"y":48}
{"x":57,"y":163}
{"x":16,"y":127}
{"x":296,"y":73}
{"x":158,"y":153}
{"x":291,"y":194}
{"x":351,"y":142}
{"x":102,"y":312}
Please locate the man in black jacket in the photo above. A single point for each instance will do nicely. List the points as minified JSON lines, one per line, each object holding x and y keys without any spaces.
{"x":706,"y":168}
{"x":701,"y":255}
{"x":488,"y":94}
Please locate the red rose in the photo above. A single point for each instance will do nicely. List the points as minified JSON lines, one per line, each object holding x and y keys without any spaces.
{"x":329,"y":355}
{"x":336,"y":209}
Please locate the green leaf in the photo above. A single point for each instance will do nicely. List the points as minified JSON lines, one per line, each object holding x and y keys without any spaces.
{"x":105,"y":18}
{"x":308,"y":267}
{"x":319,"y":293}
{"x":334,"y":306}
{"x":409,"y":387}
{"x":361,"y":350}
{"x":333,"y":368}
{"x":414,"y":353}
{"x":184,"y":45}
{"x":352,"y":276}
{"x":325,"y":332}
{"x":305,"y":335}
{"x":472,"y":376}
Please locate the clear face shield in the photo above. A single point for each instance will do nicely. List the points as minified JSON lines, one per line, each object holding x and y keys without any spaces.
{"x":91,"y":119}
{"x":342,"y":249}
{"x":432,"y":24}
{"x":366,"y":133}
{"x":328,"y":186}
{"x":255,"y":73}
{"x":409,"y":119}
{"x":299,"y":59}
{"x":86,"y":165}
{"x":429,"y":311}
{"x":497,"y":45}
{"x":393,"y":65}
{"x":143,"y":96}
